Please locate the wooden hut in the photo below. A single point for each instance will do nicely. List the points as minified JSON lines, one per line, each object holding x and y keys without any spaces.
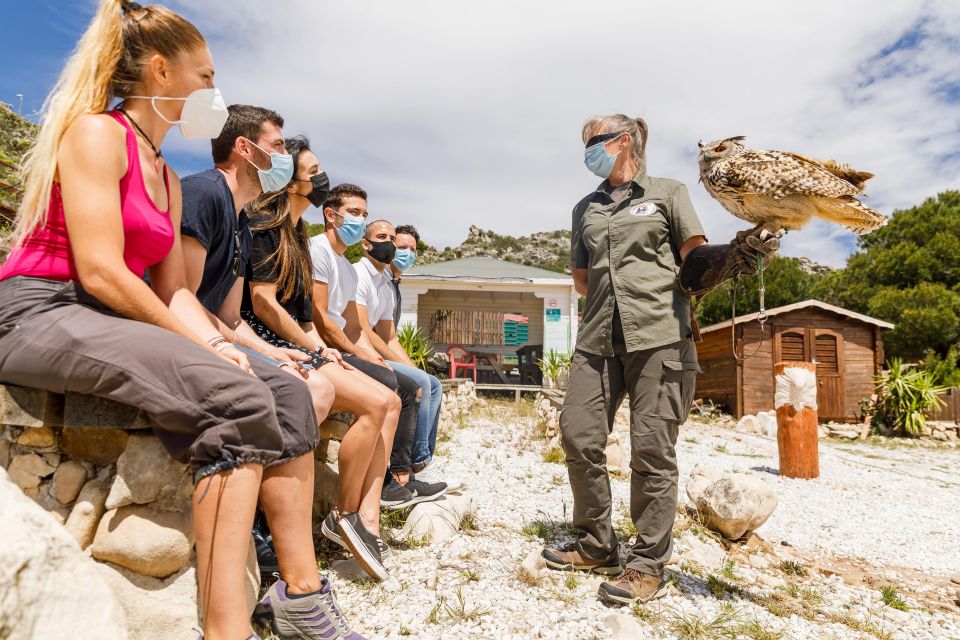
{"x":846,"y":346}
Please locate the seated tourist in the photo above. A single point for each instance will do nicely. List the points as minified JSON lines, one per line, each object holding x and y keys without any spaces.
{"x":249,"y":158}
{"x":278,"y":305}
{"x":375,"y":306}
{"x":100,"y":210}
{"x":425,"y":440}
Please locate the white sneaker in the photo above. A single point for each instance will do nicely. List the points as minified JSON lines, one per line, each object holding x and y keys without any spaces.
{"x":433,"y":473}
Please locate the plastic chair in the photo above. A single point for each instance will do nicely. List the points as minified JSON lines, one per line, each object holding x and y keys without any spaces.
{"x":460,"y":358}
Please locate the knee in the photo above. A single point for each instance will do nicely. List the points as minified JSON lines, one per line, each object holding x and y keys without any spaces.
{"x":322,"y":392}
{"x":392,"y":403}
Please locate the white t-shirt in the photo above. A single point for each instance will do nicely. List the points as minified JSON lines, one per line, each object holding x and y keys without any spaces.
{"x":337,"y":273}
{"x":374,"y":292}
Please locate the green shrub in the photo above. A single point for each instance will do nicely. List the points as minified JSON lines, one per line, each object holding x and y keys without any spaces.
{"x":905,"y":397}
{"x":418,"y":346}
{"x":553,"y":365}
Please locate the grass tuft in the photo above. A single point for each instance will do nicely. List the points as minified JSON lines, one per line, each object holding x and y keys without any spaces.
{"x":892,"y":599}
{"x":793,"y":568}
{"x":555,"y":455}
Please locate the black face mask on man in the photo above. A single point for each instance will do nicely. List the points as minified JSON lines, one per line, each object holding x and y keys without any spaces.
{"x":321,"y":189}
{"x":383,"y":252}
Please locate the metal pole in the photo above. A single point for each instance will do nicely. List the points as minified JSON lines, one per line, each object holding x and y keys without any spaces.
{"x":20,"y":108}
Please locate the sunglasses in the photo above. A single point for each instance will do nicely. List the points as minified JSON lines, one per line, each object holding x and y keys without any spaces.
{"x":235,"y":269}
{"x":603,"y":137}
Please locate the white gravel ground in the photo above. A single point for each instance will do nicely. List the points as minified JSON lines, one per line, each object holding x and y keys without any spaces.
{"x":898,"y":508}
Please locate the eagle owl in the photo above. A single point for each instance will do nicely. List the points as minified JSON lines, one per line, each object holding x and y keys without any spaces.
{"x":779,"y":189}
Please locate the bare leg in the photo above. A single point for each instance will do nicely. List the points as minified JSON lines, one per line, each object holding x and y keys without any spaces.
{"x":373,"y":483}
{"x":321,"y":392}
{"x":223,"y":507}
{"x":286,"y":495}
{"x":370,"y":402}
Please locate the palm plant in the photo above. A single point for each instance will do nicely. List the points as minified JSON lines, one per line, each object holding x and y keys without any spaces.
{"x":417,"y":345}
{"x":906,"y":396}
{"x":553,"y":366}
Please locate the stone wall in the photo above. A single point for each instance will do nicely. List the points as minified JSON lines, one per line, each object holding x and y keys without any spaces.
{"x":99,"y":471}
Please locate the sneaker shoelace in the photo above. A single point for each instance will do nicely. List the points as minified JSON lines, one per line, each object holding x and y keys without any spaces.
{"x":340,"y":622}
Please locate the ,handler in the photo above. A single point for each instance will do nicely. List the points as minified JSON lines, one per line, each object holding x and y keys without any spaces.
{"x":630,"y":240}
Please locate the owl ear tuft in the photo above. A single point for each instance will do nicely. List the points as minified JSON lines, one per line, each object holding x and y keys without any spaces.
{"x":735,"y":139}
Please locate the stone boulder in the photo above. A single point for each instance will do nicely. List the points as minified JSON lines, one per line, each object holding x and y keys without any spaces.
{"x":144,"y":470}
{"x":439,"y":520}
{"x":732,"y":504}
{"x":144,"y":539}
{"x":48,"y":587}
{"x":617,"y":459}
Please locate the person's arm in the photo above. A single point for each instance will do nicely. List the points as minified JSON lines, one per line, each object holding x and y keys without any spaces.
{"x":271,"y":313}
{"x":354,"y":332}
{"x":91,"y":161}
{"x":388,"y":333}
{"x":329,"y":332}
{"x":194,"y":259}
{"x":579,"y":280}
{"x":578,"y":251}
{"x":370,"y":337}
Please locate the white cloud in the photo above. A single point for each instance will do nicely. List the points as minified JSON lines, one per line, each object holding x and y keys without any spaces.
{"x":453,"y":114}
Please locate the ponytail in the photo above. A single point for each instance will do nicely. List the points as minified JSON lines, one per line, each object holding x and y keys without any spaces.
{"x":107,"y":63}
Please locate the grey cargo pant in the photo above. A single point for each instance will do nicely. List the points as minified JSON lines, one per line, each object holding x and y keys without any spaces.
{"x":660,"y":383}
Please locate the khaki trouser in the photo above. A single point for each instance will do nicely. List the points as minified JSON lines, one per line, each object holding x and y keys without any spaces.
{"x":660,"y":383}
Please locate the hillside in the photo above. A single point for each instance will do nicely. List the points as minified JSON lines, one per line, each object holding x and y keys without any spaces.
{"x":547,"y":249}
{"x":16,"y":136}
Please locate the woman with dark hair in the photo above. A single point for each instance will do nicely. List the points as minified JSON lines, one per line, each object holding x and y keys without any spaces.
{"x":278,"y":305}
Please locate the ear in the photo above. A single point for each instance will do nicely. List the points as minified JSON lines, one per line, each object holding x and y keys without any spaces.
{"x":158,"y":69}
{"x":329,"y":215}
{"x":700,"y":143}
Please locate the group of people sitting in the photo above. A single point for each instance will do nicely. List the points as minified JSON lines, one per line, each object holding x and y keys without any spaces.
{"x":205,"y":303}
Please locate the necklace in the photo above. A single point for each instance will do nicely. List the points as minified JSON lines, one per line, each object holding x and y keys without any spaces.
{"x":142,"y":133}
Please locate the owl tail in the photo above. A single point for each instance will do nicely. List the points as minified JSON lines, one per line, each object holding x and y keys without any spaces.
{"x":851,"y":213}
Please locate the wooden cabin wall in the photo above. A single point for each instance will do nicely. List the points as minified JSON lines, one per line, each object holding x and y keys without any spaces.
{"x":718,"y":382}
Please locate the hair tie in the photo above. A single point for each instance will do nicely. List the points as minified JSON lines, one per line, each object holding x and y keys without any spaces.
{"x":129,"y":6}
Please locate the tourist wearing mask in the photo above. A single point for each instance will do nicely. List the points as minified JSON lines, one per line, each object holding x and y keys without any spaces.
{"x":249,"y":159}
{"x":375,"y":304}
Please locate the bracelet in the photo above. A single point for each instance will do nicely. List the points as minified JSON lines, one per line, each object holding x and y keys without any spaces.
{"x":319,"y":351}
{"x":215,"y":343}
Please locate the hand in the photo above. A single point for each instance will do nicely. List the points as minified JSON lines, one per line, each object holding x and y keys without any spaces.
{"x":237,"y":357}
{"x":290,"y":359}
{"x":294,"y":354}
{"x":336,"y":356}
{"x":372,"y":357}
{"x":753,"y":244}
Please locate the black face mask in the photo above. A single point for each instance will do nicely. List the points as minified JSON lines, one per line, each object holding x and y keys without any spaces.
{"x":321,"y":188}
{"x":383,"y":252}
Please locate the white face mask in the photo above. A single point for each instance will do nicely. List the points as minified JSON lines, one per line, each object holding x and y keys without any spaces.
{"x":203,"y":116}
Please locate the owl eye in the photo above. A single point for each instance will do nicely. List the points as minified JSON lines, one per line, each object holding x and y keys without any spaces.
{"x":719,"y":148}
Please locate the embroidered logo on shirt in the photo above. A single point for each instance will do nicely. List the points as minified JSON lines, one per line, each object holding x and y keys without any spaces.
{"x":644,"y":209}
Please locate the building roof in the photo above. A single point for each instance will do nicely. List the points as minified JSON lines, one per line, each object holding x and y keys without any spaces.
{"x":802,"y":305}
{"x":483,"y":268}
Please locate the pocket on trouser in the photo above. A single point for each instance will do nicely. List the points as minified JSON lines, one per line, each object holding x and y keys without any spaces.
{"x":678,"y":383}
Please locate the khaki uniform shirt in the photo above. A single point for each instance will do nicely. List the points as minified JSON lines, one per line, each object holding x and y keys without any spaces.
{"x":631,"y":250}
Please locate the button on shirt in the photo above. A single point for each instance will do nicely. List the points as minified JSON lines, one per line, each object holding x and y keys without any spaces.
{"x":374,"y":291}
{"x":629,"y":243}
{"x":337,"y":273}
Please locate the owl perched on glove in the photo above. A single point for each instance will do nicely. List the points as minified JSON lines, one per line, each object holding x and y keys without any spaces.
{"x":779,"y":189}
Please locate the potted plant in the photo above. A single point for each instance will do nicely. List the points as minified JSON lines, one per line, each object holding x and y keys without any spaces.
{"x":555,"y":368}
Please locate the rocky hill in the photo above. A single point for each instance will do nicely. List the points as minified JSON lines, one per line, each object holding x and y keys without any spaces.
{"x":16,"y":136}
{"x":547,"y":249}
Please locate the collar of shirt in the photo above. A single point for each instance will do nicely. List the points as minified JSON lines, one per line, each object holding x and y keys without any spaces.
{"x":641,"y":180}
{"x":372,"y":270}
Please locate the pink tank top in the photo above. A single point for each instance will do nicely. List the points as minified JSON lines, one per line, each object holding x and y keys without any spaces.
{"x":147,"y":230}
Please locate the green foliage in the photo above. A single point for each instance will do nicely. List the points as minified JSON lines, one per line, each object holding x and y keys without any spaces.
{"x":785,"y":279}
{"x":418,"y":346}
{"x":314,"y":228}
{"x":905,"y":397}
{"x":908,"y":273}
{"x":554,"y":364}
{"x":892,"y":599}
{"x":945,"y":370}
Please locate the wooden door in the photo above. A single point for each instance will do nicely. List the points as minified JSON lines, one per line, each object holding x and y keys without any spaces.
{"x":824,"y":348}
{"x":828,"y":356}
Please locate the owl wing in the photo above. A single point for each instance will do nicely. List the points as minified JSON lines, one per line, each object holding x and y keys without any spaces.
{"x":778,"y":174}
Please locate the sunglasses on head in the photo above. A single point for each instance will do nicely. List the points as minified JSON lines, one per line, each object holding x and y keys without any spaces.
{"x":235,"y":269}
{"x":603,"y":137}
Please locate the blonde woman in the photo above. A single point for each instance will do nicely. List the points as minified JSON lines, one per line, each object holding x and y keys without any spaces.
{"x":100,"y":208}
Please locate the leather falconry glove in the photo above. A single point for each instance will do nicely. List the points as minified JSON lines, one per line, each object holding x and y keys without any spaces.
{"x":709,"y":265}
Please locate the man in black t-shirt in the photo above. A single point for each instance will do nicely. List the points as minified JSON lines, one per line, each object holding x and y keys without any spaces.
{"x":248,"y":158}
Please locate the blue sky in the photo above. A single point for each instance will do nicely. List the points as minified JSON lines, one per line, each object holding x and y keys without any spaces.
{"x":453,"y":114}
